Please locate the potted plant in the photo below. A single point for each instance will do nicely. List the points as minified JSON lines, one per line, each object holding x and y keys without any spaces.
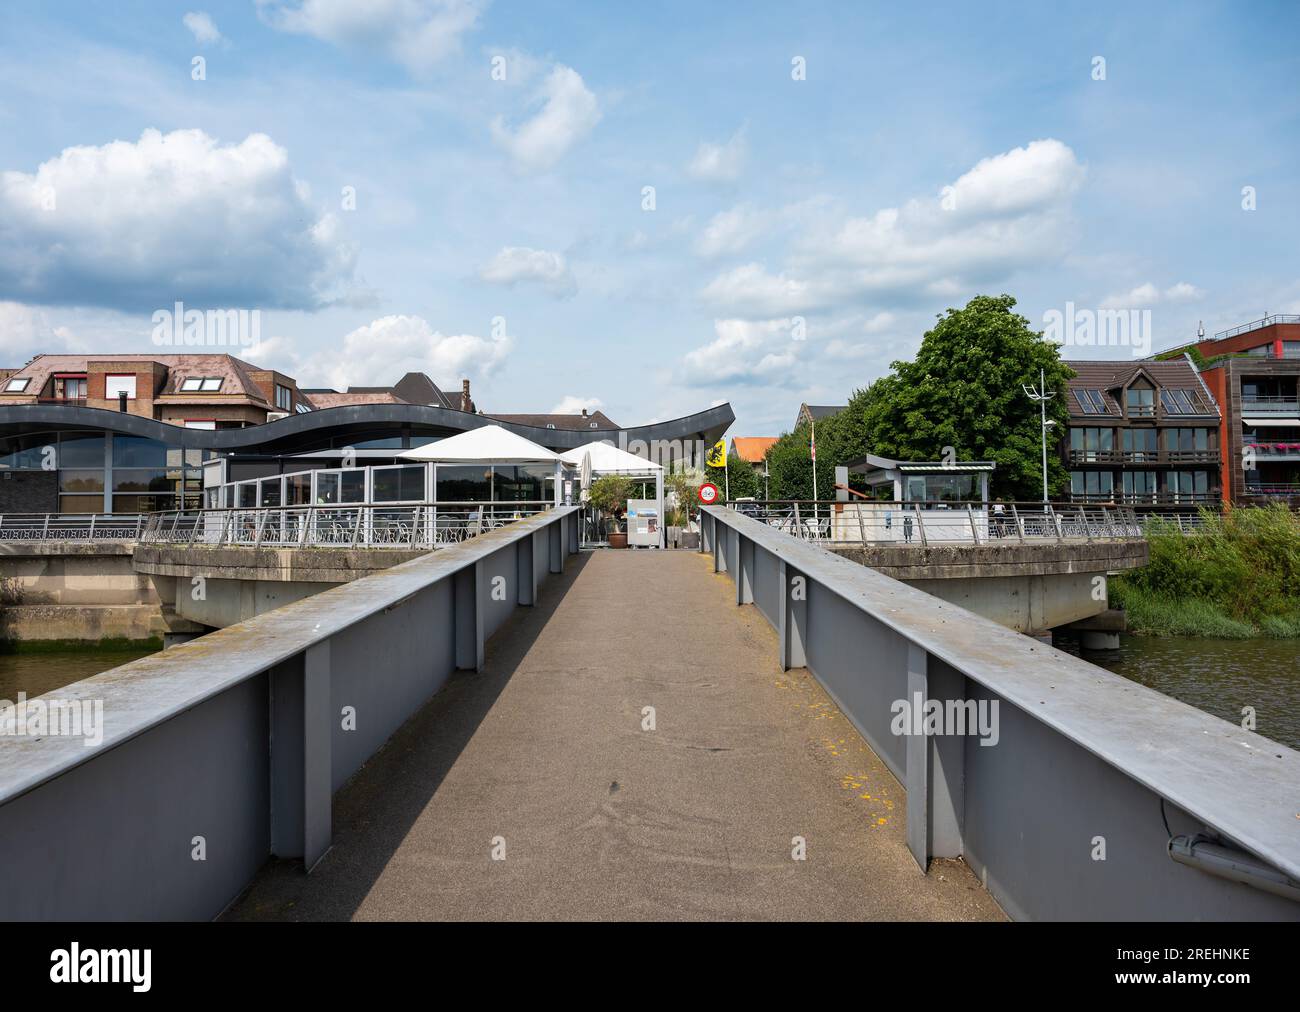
{"x":609,"y":495}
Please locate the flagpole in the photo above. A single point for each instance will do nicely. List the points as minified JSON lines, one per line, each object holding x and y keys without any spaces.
{"x":813,"y":447}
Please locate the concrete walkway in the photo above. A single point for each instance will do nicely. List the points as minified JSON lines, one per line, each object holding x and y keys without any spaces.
{"x":544,"y":752}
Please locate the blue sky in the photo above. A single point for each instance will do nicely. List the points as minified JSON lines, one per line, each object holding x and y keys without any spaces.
{"x":801,"y":236}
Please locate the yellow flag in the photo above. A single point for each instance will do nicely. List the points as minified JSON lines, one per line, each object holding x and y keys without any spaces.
{"x":718,"y":454}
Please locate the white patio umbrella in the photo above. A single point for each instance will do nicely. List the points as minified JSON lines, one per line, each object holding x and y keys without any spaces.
{"x":584,"y":477}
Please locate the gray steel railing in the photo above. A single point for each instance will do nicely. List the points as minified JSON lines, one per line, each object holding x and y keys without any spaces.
{"x":1267,"y":321}
{"x":1028,"y":763}
{"x":27,"y":527}
{"x":357,"y":525}
{"x":869,"y":522}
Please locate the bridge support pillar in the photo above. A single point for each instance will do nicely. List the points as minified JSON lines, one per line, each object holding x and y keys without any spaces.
{"x":793,"y":627}
{"x":935,"y":772}
{"x":302,"y":787}
{"x":524,"y":575}
{"x":469,"y":616}
{"x":744,"y":570}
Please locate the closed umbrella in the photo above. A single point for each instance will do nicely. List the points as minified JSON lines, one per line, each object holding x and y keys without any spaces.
{"x":584,"y":479}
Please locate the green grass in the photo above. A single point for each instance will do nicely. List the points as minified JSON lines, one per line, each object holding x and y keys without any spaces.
{"x":111,"y":644}
{"x":1237,"y":578}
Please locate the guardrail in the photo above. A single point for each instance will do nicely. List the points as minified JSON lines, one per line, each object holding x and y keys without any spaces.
{"x":872,"y":522}
{"x":71,"y":526}
{"x":1073,"y":793}
{"x":359,"y":525}
{"x":236,"y":742}
{"x":1266,"y":321}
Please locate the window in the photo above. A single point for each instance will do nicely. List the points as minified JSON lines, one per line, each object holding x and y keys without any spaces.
{"x":200,"y":423}
{"x":593,"y":425}
{"x":1091,"y":402}
{"x":116,"y":385}
{"x":1187,"y":440}
{"x":398,"y":484}
{"x":201,"y":384}
{"x":283,"y":398}
{"x":297,"y":489}
{"x":1139,"y":485}
{"x":70,"y":388}
{"x":1178,"y":402}
{"x":269,"y":492}
{"x":1140,"y":444}
{"x":1090,"y":443}
{"x":1092,"y":484}
{"x":463,"y":483}
{"x":1141,"y":401}
{"x":1187,"y":484}
{"x":17,"y":386}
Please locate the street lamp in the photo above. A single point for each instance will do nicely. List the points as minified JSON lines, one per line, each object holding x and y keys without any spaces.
{"x":1039,"y":393}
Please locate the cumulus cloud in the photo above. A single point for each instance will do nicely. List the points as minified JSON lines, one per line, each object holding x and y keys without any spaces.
{"x":136,"y":226}
{"x":571,"y":405}
{"x":1008,"y":212}
{"x":414,"y":33}
{"x":1149,"y":295}
{"x":744,"y":351}
{"x":568,"y":112}
{"x":521,"y":264}
{"x":202,"y":27}
{"x":385,"y":349}
{"x":720,"y":163}
{"x":25,"y":331}
{"x":730,"y":231}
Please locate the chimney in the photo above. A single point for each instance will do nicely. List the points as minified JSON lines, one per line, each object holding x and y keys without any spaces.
{"x":584,"y":412}
{"x":121,"y":400}
{"x":466,"y":402}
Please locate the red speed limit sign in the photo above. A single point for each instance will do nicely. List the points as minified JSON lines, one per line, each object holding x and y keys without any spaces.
{"x":708,"y":493}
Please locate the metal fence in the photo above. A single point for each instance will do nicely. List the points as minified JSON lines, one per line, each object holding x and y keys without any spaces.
{"x":28,"y":527}
{"x":425,"y":525}
{"x":898,"y":523}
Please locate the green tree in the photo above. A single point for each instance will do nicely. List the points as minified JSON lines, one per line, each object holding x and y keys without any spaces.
{"x":841,"y":438}
{"x":740,"y":476}
{"x":964,"y":390}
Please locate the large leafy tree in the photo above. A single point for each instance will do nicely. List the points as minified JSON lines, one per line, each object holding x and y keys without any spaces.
{"x":965,"y":390}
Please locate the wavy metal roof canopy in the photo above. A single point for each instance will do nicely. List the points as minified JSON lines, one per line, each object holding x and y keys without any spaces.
{"x":296,"y":433}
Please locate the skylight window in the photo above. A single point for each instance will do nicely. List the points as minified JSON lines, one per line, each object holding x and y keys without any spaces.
{"x":1178,"y":402}
{"x":201,"y":384}
{"x":1091,"y":402}
{"x":17,"y":386}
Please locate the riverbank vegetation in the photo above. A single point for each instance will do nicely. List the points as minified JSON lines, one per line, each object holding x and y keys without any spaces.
{"x":1237,"y":578}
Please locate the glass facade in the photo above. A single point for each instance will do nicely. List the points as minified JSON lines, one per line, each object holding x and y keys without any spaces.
{"x":102,"y":472}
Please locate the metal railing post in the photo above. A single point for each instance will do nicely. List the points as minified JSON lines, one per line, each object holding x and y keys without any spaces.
{"x":1056,"y":522}
{"x":920,"y":524}
{"x":798,"y":522}
{"x":1083,"y":521}
{"x":862,"y":528}
{"x":974,"y":531}
{"x":90,"y":535}
{"x":1020,"y":524}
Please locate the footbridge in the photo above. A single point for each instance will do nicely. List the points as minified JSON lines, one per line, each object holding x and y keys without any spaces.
{"x":509,"y":727}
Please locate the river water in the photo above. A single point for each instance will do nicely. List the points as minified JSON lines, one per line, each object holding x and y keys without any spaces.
{"x":38,"y":673}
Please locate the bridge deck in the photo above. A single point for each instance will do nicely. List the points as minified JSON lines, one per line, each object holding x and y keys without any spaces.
{"x":602,"y":820}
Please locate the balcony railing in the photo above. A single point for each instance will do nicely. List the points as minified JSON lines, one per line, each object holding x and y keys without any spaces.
{"x":1287,"y":489}
{"x":1246,"y":328}
{"x":1274,"y":449}
{"x":1209,"y":498}
{"x":1269,"y":405}
{"x":1144,"y":457}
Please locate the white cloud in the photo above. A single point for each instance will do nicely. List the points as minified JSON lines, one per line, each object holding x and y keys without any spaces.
{"x":730,"y":231}
{"x":1149,"y":295}
{"x":744,"y":351}
{"x":415,"y":33}
{"x":515,"y":264}
{"x":26,"y":331}
{"x":203,"y":28}
{"x":382,"y":351}
{"x":568,"y":112}
{"x":572,"y":405}
{"x":720,"y":163}
{"x":136,"y":226}
{"x":1008,"y":212}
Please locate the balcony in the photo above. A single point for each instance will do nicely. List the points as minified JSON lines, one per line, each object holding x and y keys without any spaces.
{"x":1144,"y":457}
{"x":1275,"y":450}
{"x":1116,"y":498}
{"x":1270,"y":405}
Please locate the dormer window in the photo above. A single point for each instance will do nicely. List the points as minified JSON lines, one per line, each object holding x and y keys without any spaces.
{"x":593,"y":425}
{"x":1141,"y":401}
{"x":201,"y":384}
{"x":550,"y":425}
{"x":17,"y":386}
